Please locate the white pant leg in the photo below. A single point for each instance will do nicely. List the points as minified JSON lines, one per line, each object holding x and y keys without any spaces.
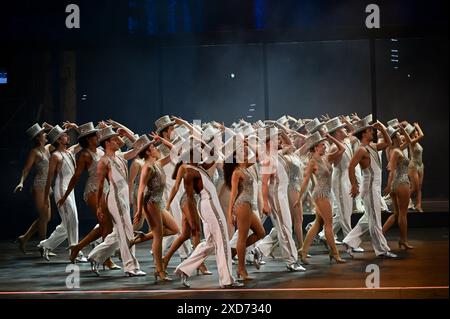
{"x":56,"y":238}
{"x":106,"y":249}
{"x":283,"y":224}
{"x":379,"y":242}
{"x":68,"y":229}
{"x":267,"y":244}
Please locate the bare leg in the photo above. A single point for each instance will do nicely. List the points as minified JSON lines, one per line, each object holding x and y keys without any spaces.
{"x":325,"y":211}
{"x":243,"y":214}
{"x":402,"y":202}
{"x":40,"y":224}
{"x":154,"y":216}
{"x":414,"y":178}
{"x":419,"y":193}
{"x":313,"y":231}
{"x":393,"y":218}
{"x":297,"y":216}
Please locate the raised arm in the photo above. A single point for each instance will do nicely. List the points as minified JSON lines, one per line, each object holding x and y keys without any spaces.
{"x":336,"y":151}
{"x":407,"y":141}
{"x":421,"y":135}
{"x":386,"y":138}
{"x":26,"y":170}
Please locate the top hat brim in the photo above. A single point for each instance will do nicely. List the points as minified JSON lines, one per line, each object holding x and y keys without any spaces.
{"x":336,"y":128}
{"x":315,"y":143}
{"x":107,"y":137}
{"x":165,"y":126}
{"x":37,"y":133}
{"x":362,"y":129}
{"x":316,"y":128}
{"x":94,"y":131}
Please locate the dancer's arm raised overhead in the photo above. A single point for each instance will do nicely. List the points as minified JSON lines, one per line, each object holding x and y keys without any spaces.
{"x":336,"y":151}
{"x":386,"y":142}
{"x":407,"y":141}
{"x":420,"y":136}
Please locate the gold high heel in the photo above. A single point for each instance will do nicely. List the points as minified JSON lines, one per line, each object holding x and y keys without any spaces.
{"x":244,"y":277}
{"x":162,"y":275}
{"x":337,"y":258}
{"x":404,"y":244}
{"x":111,"y":265}
{"x":202,"y":269}
{"x":302,"y":257}
{"x":22,"y":244}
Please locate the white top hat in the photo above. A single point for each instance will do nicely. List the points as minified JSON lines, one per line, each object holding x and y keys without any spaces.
{"x":163,"y":122}
{"x":34,"y":131}
{"x":260,"y":124}
{"x":391,"y":130}
{"x":55,"y":133}
{"x":247,"y":129}
{"x":283,"y":120}
{"x":313,"y":126}
{"x":393,"y":122}
{"x":334,"y":124}
{"x":141,"y":143}
{"x":409,"y":129}
{"x":314,"y":139}
{"x":361,"y":125}
{"x":105,"y":133}
{"x":209,"y":133}
{"x":86,"y":129}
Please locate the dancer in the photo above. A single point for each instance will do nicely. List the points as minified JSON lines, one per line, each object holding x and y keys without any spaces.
{"x":113,"y":167}
{"x":87,"y":161}
{"x":62,"y":166}
{"x":133,"y":186}
{"x":416,"y":167}
{"x":320,"y":166}
{"x":243,"y":208}
{"x":150,"y":200}
{"x":39,"y":158}
{"x":197,"y":180}
{"x":191,"y":220}
{"x":275,"y":182}
{"x":367,"y":157}
{"x":398,"y":185}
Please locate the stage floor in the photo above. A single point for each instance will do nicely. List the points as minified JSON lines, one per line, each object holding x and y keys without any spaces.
{"x":418,"y":273}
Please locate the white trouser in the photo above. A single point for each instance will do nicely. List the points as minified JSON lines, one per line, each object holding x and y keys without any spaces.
{"x":119,"y":238}
{"x":371,"y":222}
{"x":282,"y":232}
{"x":68,"y":229}
{"x":216,"y":240}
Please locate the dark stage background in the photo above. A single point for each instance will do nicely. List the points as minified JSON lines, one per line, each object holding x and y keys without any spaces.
{"x":137,"y":60}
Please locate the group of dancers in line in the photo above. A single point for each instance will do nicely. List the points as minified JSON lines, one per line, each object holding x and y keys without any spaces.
{"x":219,"y":183}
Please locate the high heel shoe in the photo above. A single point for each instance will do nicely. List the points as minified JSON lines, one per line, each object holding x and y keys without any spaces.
{"x":185,"y":280}
{"x":337,"y":258}
{"x":203,"y":270}
{"x":22,"y":243}
{"x":303,"y":257}
{"x":404,"y":244}
{"x":245,"y":277}
{"x":94,"y":267}
{"x":73,"y":253}
{"x":162,"y":275}
{"x":135,"y":273}
{"x":111,"y":265}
